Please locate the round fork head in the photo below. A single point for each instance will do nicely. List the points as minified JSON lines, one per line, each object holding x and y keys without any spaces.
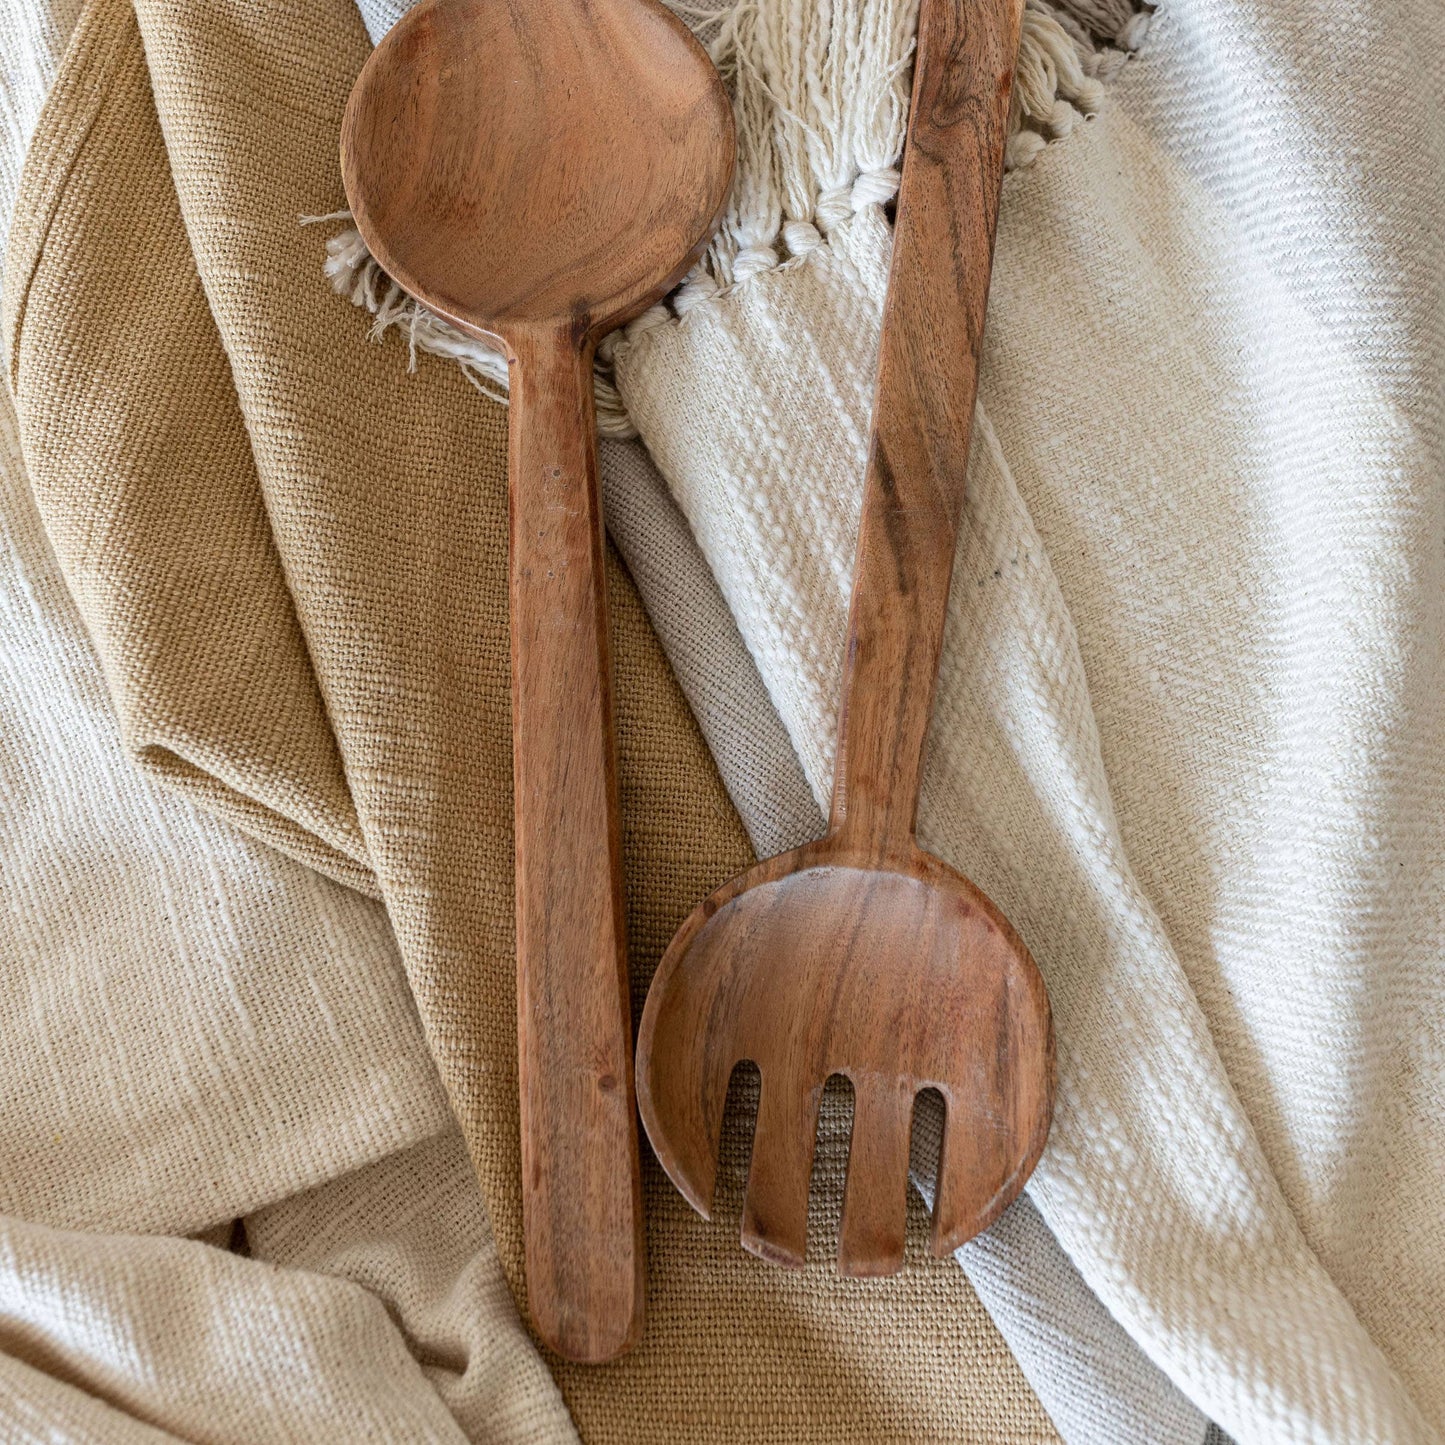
{"x":901,"y":978}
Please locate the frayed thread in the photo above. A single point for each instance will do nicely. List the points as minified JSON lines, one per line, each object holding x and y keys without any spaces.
{"x":1069,"y":51}
{"x":356,"y":274}
{"x":820,"y":94}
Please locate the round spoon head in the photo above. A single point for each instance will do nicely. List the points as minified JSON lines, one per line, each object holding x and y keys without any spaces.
{"x":519,"y":162}
{"x":814,"y":964}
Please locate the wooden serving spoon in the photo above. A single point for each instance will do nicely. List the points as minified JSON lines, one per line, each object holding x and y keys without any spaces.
{"x":538,"y":172}
{"x":861,"y":954}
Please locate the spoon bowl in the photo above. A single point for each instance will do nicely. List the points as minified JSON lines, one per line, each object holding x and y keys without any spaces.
{"x":562,"y":161}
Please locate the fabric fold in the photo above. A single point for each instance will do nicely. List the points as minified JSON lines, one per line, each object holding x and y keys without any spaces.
{"x":125,"y":1338}
{"x":191,"y":1025}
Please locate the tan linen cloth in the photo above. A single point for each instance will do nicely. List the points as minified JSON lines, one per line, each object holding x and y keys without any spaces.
{"x":293,"y":568}
{"x":192,"y":1025}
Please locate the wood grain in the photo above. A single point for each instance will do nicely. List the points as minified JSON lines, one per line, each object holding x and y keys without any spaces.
{"x":538,"y":172}
{"x":862,"y":954}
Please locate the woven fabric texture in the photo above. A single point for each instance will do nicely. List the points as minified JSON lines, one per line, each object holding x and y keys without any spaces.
{"x":191,"y":1025}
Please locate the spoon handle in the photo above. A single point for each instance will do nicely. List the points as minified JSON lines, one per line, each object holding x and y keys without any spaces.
{"x":922,"y":414}
{"x":581,"y":1189}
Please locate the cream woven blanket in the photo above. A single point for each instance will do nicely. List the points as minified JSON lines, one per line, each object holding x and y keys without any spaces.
{"x":1189,"y":732}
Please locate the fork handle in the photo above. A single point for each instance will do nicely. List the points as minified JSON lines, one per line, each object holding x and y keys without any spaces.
{"x":581,"y":1185}
{"x":922,"y":414}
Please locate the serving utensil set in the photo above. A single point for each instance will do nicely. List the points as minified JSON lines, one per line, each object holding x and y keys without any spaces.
{"x":538,"y":172}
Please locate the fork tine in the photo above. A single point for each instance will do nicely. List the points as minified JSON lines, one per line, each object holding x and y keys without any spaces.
{"x":875,"y":1199}
{"x":975,"y":1158}
{"x":775,"y":1209}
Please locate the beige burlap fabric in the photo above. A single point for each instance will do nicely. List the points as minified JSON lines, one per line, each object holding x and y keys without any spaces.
{"x":292,"y":564}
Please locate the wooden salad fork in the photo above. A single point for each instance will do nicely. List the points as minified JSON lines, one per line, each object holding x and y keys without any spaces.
{"x":861,"y":954}
{"x":538,"y":172}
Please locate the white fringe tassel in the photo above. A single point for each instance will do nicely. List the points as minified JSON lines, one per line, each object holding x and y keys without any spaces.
{"x":356,"y":274}
{"x":820,"y":92}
